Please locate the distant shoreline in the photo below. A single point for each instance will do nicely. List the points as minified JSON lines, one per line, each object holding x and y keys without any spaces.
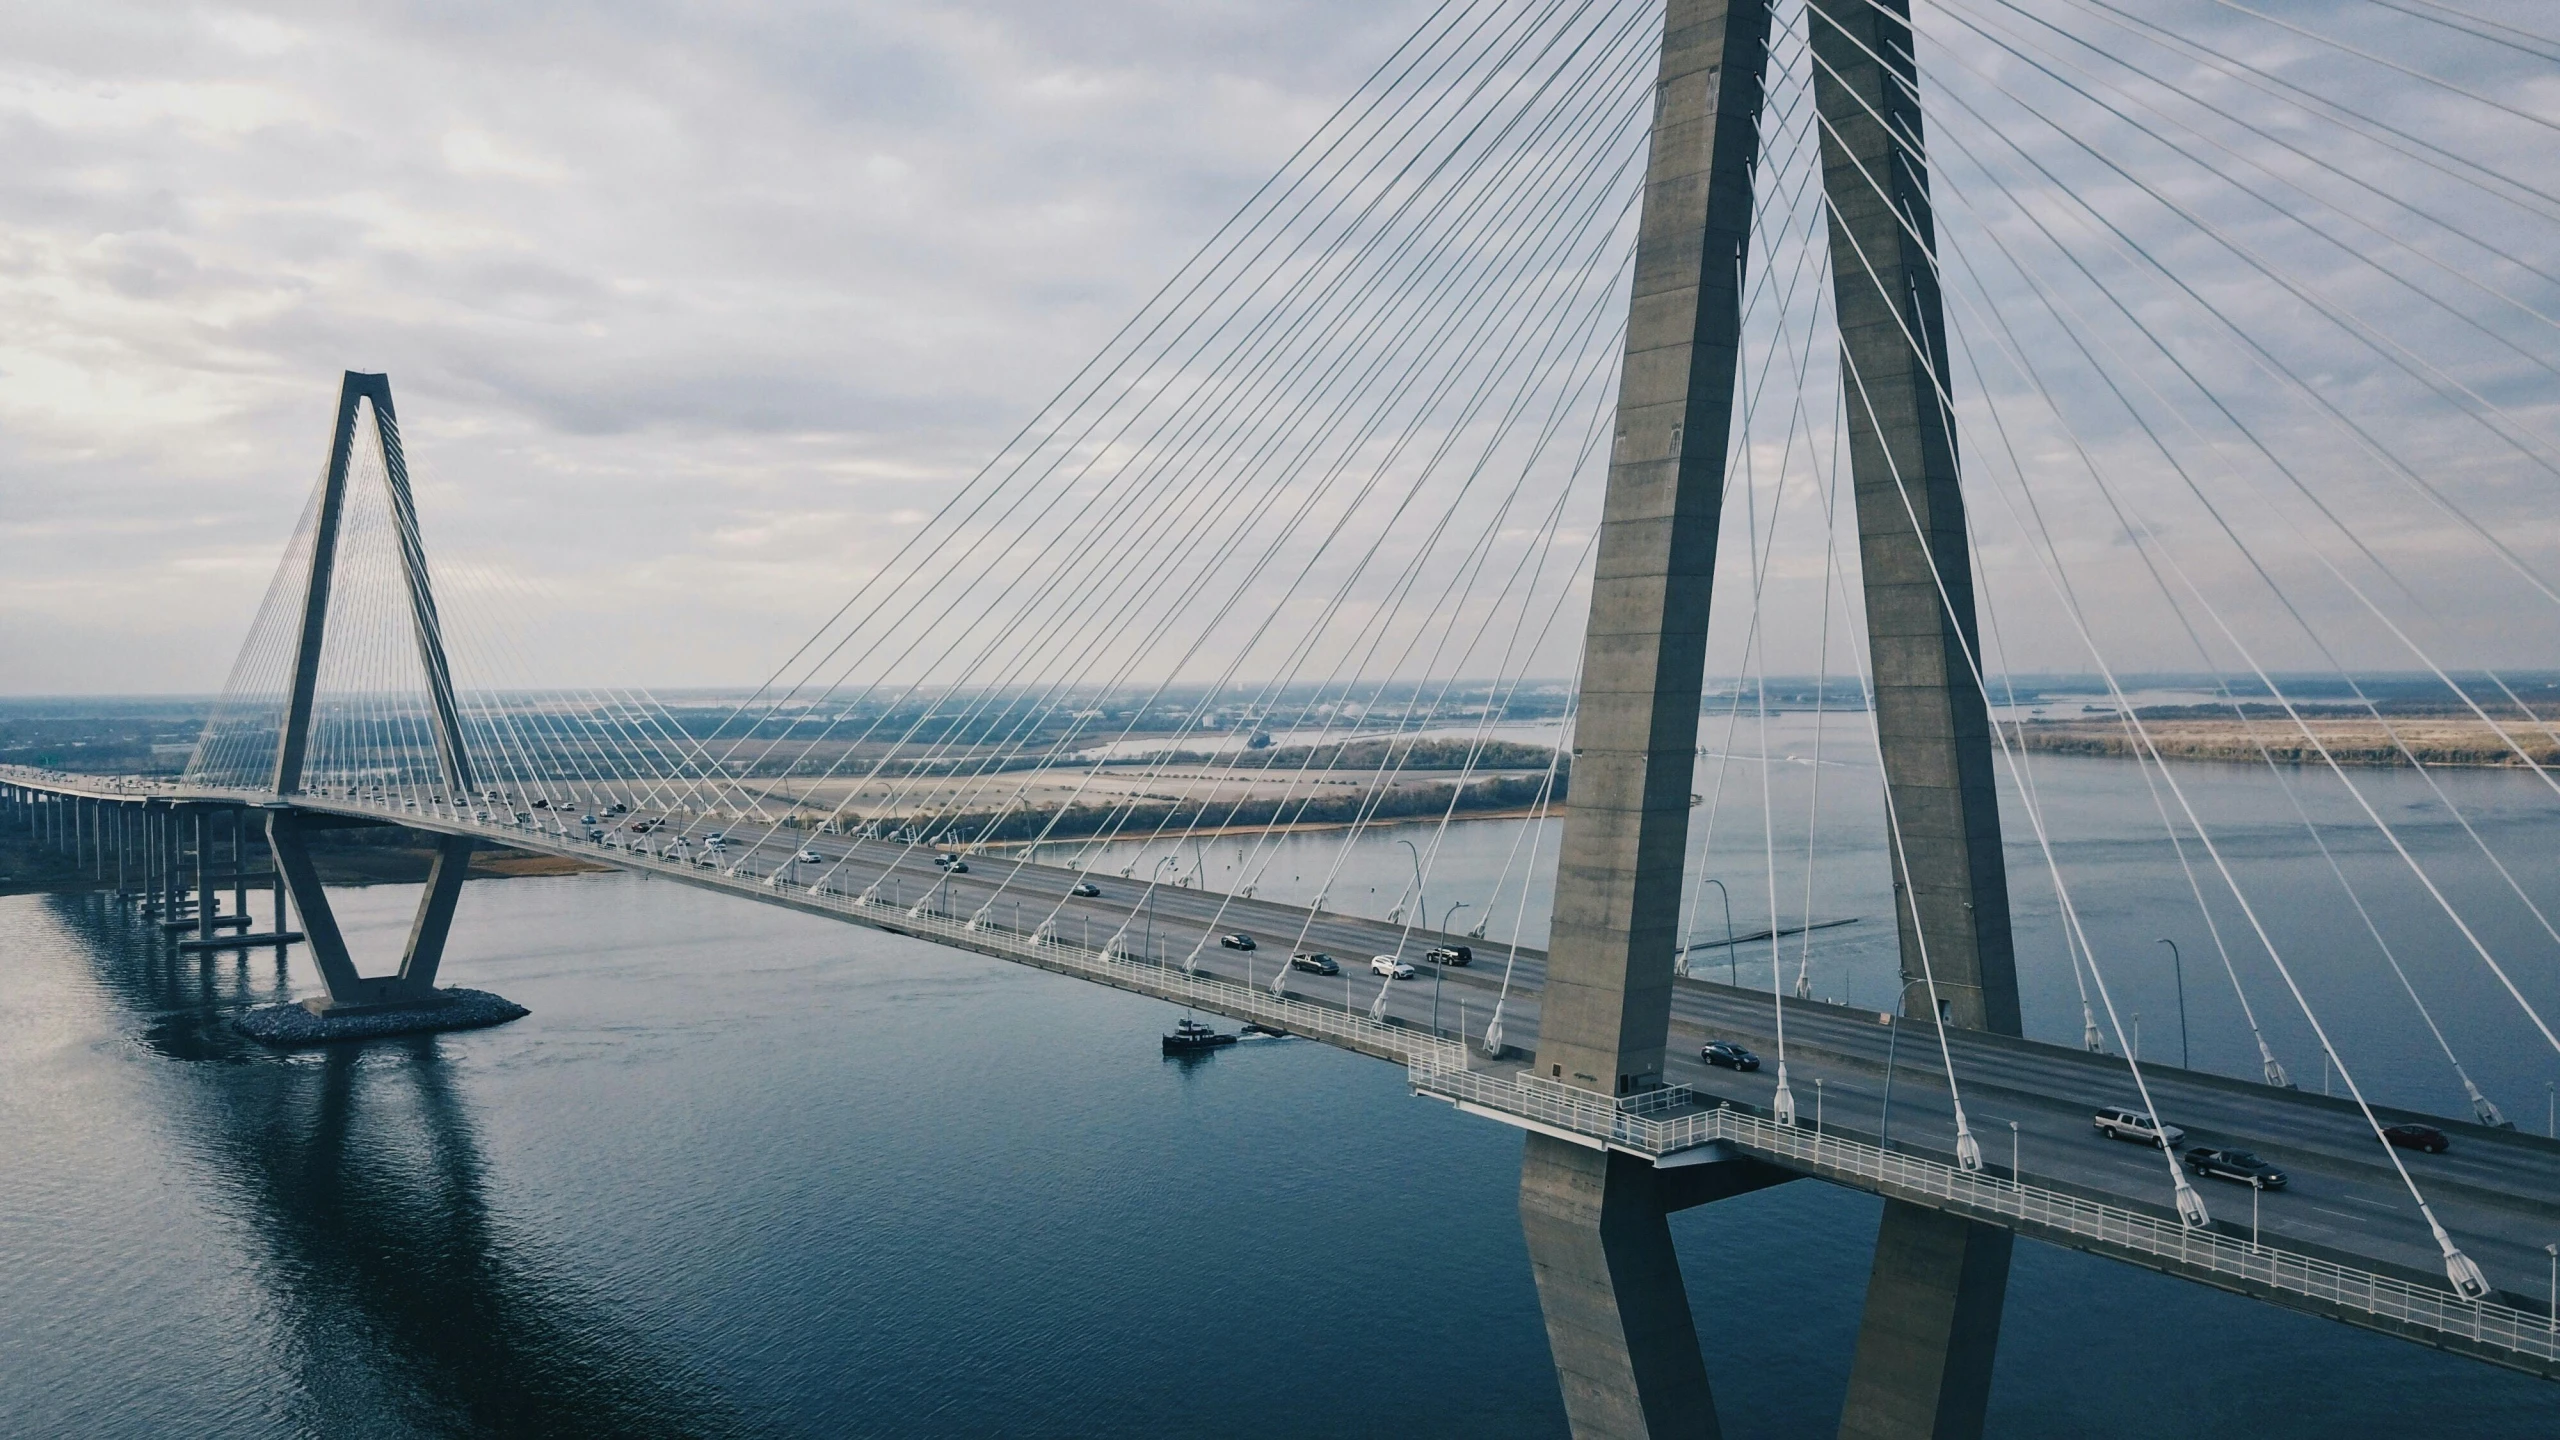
{"x":2454,"y":743}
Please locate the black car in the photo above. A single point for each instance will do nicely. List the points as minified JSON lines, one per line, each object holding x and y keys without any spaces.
{"x":2237,"y":1165}
{"x":1236,"y":941}
{"x":1084,"y":887}
{"x":957,"y":867}
{"x":1314,"y":962}
{"x":2418,"y":1137}
{"x":1449,"y":955}
{"x":1728,"y":1055}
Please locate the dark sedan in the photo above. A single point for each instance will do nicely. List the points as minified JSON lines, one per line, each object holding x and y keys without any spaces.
{"x":2418,"y":1137}
{"x":1237,"y":941}
{"x":1314,"y":962}
{"x":2237,"y":1165}
{"x":1728,"y":1055}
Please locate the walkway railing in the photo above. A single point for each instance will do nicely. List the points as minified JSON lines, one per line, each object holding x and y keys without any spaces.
{"x":1226,"y":997}
{"x":1655,"y":1123}
{"x":1643,"y":1126}
{"x":1252,"y":1003}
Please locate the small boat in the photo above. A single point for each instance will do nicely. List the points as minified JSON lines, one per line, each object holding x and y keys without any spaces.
{"x":1191,"y":1037}
{"x":1256,"y":1030}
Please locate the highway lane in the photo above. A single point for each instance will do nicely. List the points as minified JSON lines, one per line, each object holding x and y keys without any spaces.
{"x":2498,"y":1195}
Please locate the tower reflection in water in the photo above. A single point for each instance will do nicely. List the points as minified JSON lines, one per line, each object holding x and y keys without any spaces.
{"x":410,"y":1303}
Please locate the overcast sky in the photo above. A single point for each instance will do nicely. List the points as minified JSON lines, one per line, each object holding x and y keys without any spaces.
{"x":680,"y":303}
{"x":692,"y":310}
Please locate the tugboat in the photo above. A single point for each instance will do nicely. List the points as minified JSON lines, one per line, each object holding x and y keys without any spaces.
{"x":1191,"y":1037}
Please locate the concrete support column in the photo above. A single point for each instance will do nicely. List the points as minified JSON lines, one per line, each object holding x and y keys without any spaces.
{"x":1626,"y":1350}
{"x":240,"y":864}
{"x":205,"y":906}
{"x":1618,"y":1323}
{"x":1932,"y":1320}
{"x":1606,"y":1011}
{"x":1951,"y":885}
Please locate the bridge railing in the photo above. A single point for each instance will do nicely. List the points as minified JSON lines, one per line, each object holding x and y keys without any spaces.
{"x":1643,"y":1125}
{"x":1226,"y":997}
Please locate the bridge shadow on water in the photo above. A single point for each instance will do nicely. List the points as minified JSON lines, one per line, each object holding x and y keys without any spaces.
{"x":410,"y":1305}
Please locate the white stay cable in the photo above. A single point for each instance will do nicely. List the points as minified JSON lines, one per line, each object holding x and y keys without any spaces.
{"x":2460,"y":1269}
{"x":2191,"y":1206}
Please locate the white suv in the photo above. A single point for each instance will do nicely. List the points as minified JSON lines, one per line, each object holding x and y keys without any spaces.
{"x":1390,"y":966}
{"x":2122,"y":1122}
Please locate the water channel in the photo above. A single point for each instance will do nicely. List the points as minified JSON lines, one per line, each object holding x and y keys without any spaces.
{"x":748,"y":1172}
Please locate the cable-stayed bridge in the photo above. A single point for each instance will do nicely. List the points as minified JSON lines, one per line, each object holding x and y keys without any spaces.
{"x":2251,"y":363}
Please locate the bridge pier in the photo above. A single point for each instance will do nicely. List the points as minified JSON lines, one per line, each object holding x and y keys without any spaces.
{"x":1618,"y":1320}
{"x":1932,"y":1321}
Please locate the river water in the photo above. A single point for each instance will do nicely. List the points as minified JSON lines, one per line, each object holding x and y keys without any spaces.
{"x":748,"y":1172}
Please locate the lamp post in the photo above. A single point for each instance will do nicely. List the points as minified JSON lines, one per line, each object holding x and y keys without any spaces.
{"x":2551,"y":1325}
{"x":1153,"y":880}
{"x":1449,"y":916}
{"x":2014,"y":1178}
{"x":1726,"y":896}
{"x":1419,"y":904}
{"x":1892,"y":1041}
{"x":2178,"y":968}
{"x":1817,"y":1106}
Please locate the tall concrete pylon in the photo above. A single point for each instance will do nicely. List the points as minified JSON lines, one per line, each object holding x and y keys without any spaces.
{"x":414,"y":982}
{"x":1934,"y":1295}
{"x":1608,"y":1281}
{"x":1618,"y":1319}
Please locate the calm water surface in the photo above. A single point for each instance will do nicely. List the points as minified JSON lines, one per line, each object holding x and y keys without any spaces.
{"x":745,"y":1172}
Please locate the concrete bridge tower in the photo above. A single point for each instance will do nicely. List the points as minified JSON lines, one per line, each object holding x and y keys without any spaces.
{"x":1617,"y":1315}
{"x":413,"y":984}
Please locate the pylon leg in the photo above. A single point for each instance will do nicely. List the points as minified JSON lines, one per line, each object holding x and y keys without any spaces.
{"x":1626,"y":1349}
{"x":1923,"y":1370}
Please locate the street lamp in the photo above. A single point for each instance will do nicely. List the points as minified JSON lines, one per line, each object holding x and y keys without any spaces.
{"x":1892,"y":1041}
{"x":1449,"y":916}
{"x":1727,"y":897}
{"x":1418,"y":901}
{"x":2179,"y":968}
{"x":1153,"y":880}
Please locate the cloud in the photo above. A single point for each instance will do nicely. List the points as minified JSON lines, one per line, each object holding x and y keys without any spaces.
{"x":635,"y":270}
{"x":694,"y":313}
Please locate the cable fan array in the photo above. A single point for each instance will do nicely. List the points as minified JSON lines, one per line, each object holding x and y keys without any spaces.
{"x":2250,"y":340}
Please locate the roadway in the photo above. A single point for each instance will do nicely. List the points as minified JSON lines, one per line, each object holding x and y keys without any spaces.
{"x":2497,"y":1193}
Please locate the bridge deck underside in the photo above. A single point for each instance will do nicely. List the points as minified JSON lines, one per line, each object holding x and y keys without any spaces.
{"x":2498,"y":1193}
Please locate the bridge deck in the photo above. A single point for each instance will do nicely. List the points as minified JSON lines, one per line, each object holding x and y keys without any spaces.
{"x":2498,"y":1193}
